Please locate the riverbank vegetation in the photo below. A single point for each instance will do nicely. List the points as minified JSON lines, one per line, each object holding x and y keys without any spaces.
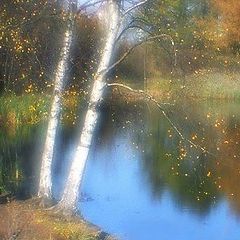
{"x":30,"y":109}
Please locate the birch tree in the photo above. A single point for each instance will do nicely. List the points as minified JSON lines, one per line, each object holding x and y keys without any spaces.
{"x":116,"y":17}
{"x":45,"y":182}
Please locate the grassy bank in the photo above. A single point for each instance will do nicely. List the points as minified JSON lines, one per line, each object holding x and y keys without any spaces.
{"x":201,"y":85}
{"x":34,"y":108}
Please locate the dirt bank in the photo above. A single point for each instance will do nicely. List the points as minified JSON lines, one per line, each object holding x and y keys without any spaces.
{"x":23,"y":220}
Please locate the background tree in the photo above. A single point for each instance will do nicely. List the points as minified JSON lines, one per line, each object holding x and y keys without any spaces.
{"x":30,"y":43}
{"x":45,"y":182}
{"x":228,"y":22}
{"x":28,"y":39}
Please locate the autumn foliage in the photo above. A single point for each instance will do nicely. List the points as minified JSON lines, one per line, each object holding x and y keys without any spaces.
{"x":229,"y":22}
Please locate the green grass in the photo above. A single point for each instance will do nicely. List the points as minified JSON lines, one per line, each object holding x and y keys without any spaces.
{"x":29,"y":109}
{"x":25,"y":109}
{"x":202,"y":85}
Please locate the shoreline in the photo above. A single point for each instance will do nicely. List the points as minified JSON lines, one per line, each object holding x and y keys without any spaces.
{"x":26,"y":220}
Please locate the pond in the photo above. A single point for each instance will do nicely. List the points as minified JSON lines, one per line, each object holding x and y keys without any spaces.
{"x":142,"y":181}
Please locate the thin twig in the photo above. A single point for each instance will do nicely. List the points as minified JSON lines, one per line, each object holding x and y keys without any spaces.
{"x":152,"y":99}
{"x":134,"y":7}
{"x":88,"y":5}
{"x":121,"y":59}
{"x":130,"y":26}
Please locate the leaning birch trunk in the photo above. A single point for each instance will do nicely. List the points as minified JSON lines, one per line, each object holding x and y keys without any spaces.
{"x":70,"y":194}
{"x":45,"y":182}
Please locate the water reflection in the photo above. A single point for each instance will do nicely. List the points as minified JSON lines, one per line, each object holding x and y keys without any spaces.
{"x":143,"y":182}
{"x":19,"y":158}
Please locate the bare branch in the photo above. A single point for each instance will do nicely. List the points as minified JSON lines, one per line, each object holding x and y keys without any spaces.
{"x":89,"y":4}
{"x":159,"y":105}
{"x":121,"y":59}
{"x":129,"y":26}
{"x":136,"y":22}
{"x":134,"y":7}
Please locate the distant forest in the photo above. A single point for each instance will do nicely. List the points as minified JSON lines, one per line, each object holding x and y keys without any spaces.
{"x":205,"y":33}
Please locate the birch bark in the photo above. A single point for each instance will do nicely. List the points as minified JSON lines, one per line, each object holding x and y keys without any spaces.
{"x":45,"y":182}
{"x":71,"y":190}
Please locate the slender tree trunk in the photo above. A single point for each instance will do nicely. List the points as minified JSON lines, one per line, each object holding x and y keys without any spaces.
{"x":71,"y":190}
{"x":45,"y":182}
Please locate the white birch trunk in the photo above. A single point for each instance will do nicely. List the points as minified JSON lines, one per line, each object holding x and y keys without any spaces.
{"x":45,"y":182}
{"x":71,"y":190}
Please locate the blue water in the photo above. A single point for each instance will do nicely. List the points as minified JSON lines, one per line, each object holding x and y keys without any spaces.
{"x":121,"y":203}
{"x":142,"y":182}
